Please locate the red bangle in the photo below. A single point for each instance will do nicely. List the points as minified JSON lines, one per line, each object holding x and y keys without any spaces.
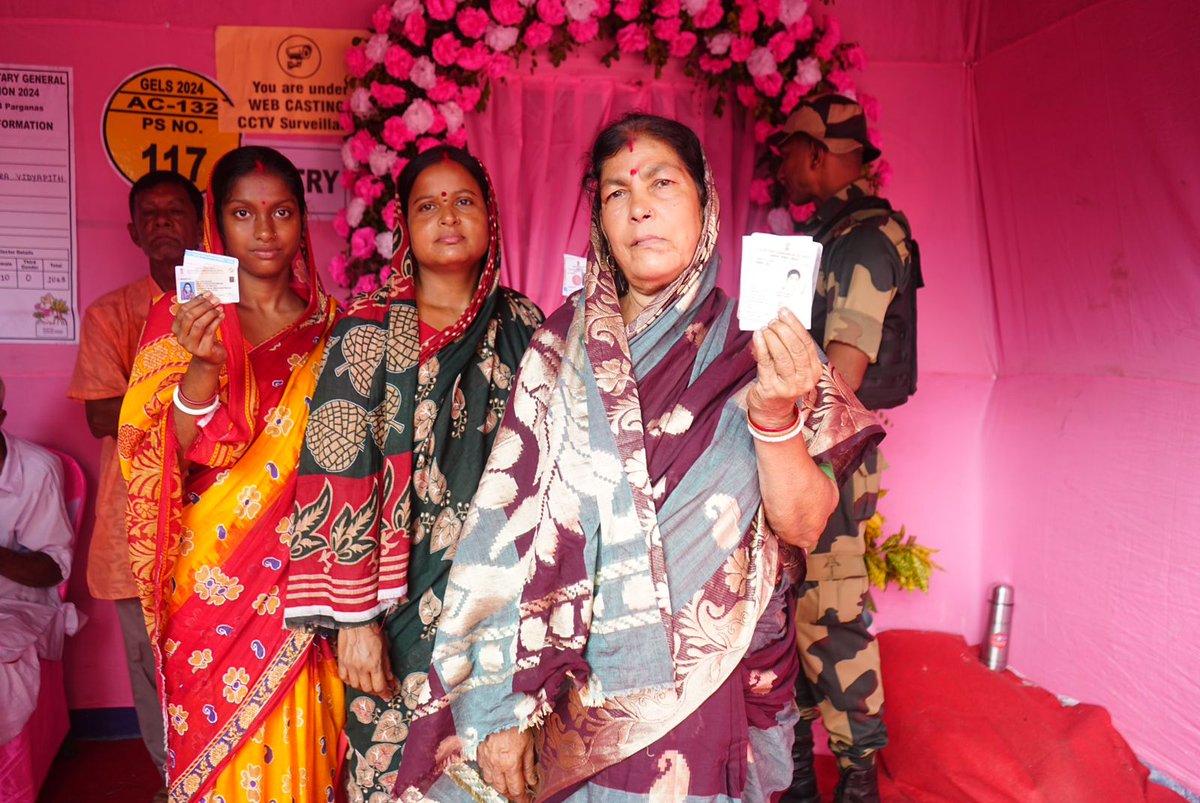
{"x":776,"y":430}
{"x":192,"y":402}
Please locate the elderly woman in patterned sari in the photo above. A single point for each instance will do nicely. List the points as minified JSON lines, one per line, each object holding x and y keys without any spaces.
{"x":618,"y":603}
{"x":408,"y":405}
{"x":209,"y":440}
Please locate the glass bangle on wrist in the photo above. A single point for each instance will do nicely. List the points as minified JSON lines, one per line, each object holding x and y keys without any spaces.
{"x":776,"y":430}
{"x":777,"y":435}
{"x":190,"y":402}
{"x":183,"y":406}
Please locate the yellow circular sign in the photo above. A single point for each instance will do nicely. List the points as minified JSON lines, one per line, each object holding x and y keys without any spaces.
{"x":166,"y":119}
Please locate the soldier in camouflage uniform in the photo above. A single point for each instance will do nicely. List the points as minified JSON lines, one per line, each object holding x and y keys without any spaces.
{"x":865,"y":263}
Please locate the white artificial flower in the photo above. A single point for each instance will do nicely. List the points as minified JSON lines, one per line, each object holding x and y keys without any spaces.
{"x":402,"y":8}
{"x":424,"y":73}
{"x":719,"y":44}
{"x":418,"y":116}
{"x":453,"y":115}
{"x":348,"y":156}
{"x":761,"y":62}
{"x":580,"y":10}
{"x":501,"y":37}
{"x":355,"y":211}
{"x":780,"y":221}
{"x":790,"y":11}
{"x":382,"y":160}
{"x":377,"y":47}
{"x":383,"y":242}
{"x":808,"y":71}
{"x":361,"y":103}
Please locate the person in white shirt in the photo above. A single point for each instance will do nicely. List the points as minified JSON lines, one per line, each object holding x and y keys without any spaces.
{"x":35,"y":557}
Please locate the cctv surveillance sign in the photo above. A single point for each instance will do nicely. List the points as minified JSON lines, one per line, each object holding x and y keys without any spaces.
{"x":283,"y":80}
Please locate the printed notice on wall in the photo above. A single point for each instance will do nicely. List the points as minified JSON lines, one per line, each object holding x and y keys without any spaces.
{"x":320,"y":166}
{"x":283,"y":80}
{"x":37,"y":206}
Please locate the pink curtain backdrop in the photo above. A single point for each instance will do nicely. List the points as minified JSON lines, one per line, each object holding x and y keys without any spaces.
{"x":1043,"y":150}
{"x":534,"y":137}
{"x":1087,"y":129}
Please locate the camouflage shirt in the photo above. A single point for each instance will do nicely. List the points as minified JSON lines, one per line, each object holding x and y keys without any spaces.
{"x":861,"y":268}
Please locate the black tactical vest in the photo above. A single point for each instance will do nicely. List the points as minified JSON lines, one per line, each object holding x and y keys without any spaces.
{"x":892,"y":378}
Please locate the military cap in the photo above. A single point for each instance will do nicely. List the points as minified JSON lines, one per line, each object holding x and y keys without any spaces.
{"x":835,"y":121}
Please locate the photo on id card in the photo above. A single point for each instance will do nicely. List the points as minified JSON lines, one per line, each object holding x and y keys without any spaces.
{"x":207,"y":273}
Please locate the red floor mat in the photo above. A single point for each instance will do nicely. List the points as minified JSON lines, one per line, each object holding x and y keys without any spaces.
{"x":959,"y":732}
{"x":117,"y":771}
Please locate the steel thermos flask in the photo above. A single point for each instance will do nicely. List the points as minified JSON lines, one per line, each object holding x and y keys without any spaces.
{"x":994,"y":651}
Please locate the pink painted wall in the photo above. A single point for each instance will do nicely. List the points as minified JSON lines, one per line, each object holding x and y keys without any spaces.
{"x":1089,"y":173}
{"x":103,"y":54}
{"x":1058,"y":392}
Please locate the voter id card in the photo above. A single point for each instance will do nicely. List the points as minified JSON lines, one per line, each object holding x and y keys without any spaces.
{"x":207,"y":273}
{"x":777,"y":271}
{"x":574,"y":272}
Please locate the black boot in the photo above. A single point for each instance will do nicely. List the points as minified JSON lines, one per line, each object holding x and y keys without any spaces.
{"x":804,"y":774}
{"x":858,"y":785}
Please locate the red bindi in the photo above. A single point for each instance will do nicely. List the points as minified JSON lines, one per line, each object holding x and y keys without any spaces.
{"x":633,"y":172}
{"x":443,"y":195}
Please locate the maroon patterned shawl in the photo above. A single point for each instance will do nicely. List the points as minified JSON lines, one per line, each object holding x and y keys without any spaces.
{"x":615,"y":563}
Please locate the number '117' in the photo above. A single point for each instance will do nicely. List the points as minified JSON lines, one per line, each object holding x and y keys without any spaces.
{"x":171,"y":159}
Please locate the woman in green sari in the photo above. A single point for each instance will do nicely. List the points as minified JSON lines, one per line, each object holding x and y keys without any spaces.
{"x":409,"y":401}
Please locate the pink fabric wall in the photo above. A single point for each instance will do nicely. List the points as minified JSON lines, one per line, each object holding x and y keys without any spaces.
{"x":534,"y":137}
{"x":1057,"y":398}
{"x":103,"y":55}
{"x":1088,"y":162}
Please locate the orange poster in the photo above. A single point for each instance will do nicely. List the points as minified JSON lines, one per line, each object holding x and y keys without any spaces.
{"x":283,"y":80}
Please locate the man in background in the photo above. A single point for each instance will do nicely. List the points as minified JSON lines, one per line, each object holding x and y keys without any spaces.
{"x":35,"y":556}
{"x":165,"y":213}
{"x":864,"y":316}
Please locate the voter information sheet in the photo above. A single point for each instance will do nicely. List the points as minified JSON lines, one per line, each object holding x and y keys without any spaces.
{"x":38,"y":288}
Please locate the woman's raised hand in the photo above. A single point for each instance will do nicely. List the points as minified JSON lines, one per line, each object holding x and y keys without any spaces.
{"x":195,"y":327}
{"x":363,"y":662}
{"x":788,"y":370}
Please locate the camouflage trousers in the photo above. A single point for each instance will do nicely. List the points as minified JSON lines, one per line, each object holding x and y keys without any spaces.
{"x":841,"y":681}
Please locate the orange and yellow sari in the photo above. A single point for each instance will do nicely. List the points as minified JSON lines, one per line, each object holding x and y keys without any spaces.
{"x":253,"y":710}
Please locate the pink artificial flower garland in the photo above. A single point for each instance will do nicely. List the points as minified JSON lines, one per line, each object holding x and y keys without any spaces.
{"x":428,"y":62}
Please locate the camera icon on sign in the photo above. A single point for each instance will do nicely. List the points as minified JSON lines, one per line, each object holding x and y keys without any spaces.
{"x":298,"y":56}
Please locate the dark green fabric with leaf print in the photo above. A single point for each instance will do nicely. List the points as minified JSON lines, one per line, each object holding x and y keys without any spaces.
{"x":400,"y":429}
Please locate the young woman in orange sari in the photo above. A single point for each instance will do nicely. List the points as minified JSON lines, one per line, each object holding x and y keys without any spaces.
{"x":210,"y":436}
